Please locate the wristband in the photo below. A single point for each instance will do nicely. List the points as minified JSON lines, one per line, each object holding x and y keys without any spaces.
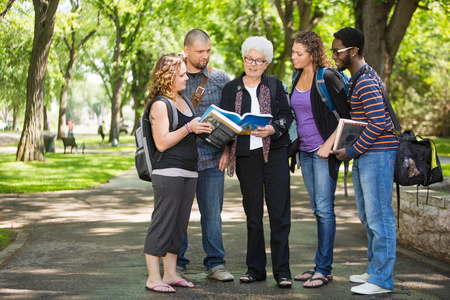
{"x":188,"y":128}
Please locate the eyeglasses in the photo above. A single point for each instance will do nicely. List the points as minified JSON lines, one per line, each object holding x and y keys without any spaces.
{"x":250,"y":61}
{"x":337,"y":51}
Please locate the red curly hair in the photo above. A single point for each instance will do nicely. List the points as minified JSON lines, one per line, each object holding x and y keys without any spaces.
{"x":163,"y":76}
{"x":314,"y":46}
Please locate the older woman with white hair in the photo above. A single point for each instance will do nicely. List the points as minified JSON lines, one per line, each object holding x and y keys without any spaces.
{"x":261,"y":161}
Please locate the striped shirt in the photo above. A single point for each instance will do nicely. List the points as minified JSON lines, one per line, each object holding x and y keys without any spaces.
{"x":208,"y":156}
{"x":367,"y":105}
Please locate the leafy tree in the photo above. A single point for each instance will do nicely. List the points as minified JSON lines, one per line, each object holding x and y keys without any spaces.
{"x":30,"y":144}
{"x":127,"y":18}
{"x":6,"y":9}
{"x":15,"y":48}
{"x":419,"y":83}
{"x":74,"y":30}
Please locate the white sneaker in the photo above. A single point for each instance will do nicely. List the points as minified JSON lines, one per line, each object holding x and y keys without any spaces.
{"x":359,"y":278}
{"x":369,"y":289}
{"x":221,"y":275}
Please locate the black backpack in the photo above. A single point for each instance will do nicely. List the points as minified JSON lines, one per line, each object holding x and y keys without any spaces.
{"x":147,"y":154}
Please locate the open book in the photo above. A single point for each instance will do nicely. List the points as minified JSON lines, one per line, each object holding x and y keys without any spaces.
{"x":226,"y":125}
{"x":348,"y":132}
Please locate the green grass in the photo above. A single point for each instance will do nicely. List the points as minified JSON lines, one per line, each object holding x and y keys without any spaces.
{"x":62,"y":171}
{"x":6,"y":237}
{"x":442,"y":146}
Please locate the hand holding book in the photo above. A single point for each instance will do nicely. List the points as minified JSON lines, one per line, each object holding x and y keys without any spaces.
{"x":226,"y":125}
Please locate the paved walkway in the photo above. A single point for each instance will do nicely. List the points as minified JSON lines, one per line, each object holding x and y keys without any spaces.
{"x":88,"y":244}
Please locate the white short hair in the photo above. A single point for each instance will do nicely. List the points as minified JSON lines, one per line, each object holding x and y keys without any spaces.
{"x":260,"y":44}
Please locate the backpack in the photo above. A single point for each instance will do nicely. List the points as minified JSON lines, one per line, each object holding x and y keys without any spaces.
{"x":100,"y":129}
{"x":323,"y":91}
{"x":417,"y":161}
{"x":147,"y":154}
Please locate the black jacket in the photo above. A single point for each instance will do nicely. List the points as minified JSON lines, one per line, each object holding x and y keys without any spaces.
{"x":281,"y":112}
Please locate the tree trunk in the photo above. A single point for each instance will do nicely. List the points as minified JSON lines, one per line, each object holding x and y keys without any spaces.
{"x":140,"y":69}
{"x":115,"y":107}
{"x":73,"y":55}
{"x":383,"y":34}
{"x":62,"y":111}
{"x":64,"y":95}
{"x":30,"y":144}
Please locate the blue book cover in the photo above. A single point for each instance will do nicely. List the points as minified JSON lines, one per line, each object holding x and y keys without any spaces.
{"x":248,"y":121}
{"x":225,"y":125}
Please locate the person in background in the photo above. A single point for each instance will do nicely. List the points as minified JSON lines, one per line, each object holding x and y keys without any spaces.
{"x":373,"y":157}
{"x":261,"y":162}
{"x":70,"y":125}
{"x":210,"y":182}
{"x":174,"y":175}
{"x":102,"y":131}
{"x":316,"y":125}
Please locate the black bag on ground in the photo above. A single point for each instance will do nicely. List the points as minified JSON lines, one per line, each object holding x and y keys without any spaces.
{"x":417,"y":161}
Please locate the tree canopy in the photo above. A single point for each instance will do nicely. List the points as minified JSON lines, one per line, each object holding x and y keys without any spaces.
{"x":120,"y":40}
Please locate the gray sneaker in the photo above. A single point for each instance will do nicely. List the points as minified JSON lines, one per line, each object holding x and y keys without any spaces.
{"x":221,"y":275}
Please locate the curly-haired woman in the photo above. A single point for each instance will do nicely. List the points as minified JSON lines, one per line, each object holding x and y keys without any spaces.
{"x":316,"y":130}
{"x":174,"y":175}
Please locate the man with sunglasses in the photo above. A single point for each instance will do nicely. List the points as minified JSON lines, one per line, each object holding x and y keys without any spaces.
{"x":373,"y":157}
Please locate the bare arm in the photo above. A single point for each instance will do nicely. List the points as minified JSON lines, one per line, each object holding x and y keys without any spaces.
{"x":165,"y":139}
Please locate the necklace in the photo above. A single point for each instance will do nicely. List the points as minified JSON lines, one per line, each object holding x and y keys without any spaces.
{"x":305,"y":78}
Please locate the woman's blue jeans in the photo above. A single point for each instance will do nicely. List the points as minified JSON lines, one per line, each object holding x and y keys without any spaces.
{"x":321,"y":188}
{"x":373,"y":180}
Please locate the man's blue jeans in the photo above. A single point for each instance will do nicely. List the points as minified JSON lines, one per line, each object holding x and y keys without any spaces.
{"x":210,"y":185}
{"x":321,"y":188}
{"x":373,"y":179}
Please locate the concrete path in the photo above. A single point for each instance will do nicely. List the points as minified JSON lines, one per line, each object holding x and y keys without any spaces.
{"x":88,"y":244}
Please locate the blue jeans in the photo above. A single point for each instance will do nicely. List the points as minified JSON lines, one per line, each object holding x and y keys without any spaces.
{"x":321,"y":188}
{"x":373,"y":180}
{"x":210,"y":185}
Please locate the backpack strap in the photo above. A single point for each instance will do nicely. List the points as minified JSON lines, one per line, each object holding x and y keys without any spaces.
{"x":171,"y":110}
{"x":199,"y":92}
{"x":323,"y":91}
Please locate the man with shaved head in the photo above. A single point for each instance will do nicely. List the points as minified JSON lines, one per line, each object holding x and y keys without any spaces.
{"x":210,"y":183}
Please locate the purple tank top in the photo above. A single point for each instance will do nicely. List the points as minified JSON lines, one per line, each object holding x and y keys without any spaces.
{"x":310,"y":138}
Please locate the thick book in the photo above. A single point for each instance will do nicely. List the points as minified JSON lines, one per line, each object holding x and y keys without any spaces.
{"x":226,"y":125}
{"x":348,"y":132}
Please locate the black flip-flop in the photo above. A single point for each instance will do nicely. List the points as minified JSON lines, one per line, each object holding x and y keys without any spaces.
{"x":247,"y":278}
{"x":324,"y":281}
{"x":307,"y":272}
{"x":284,"y":285}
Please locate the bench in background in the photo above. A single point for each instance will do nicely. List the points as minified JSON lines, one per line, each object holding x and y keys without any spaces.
{"x":70,"y":142}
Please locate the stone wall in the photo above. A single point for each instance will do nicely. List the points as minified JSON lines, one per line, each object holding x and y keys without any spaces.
{"x":424,"y":225}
